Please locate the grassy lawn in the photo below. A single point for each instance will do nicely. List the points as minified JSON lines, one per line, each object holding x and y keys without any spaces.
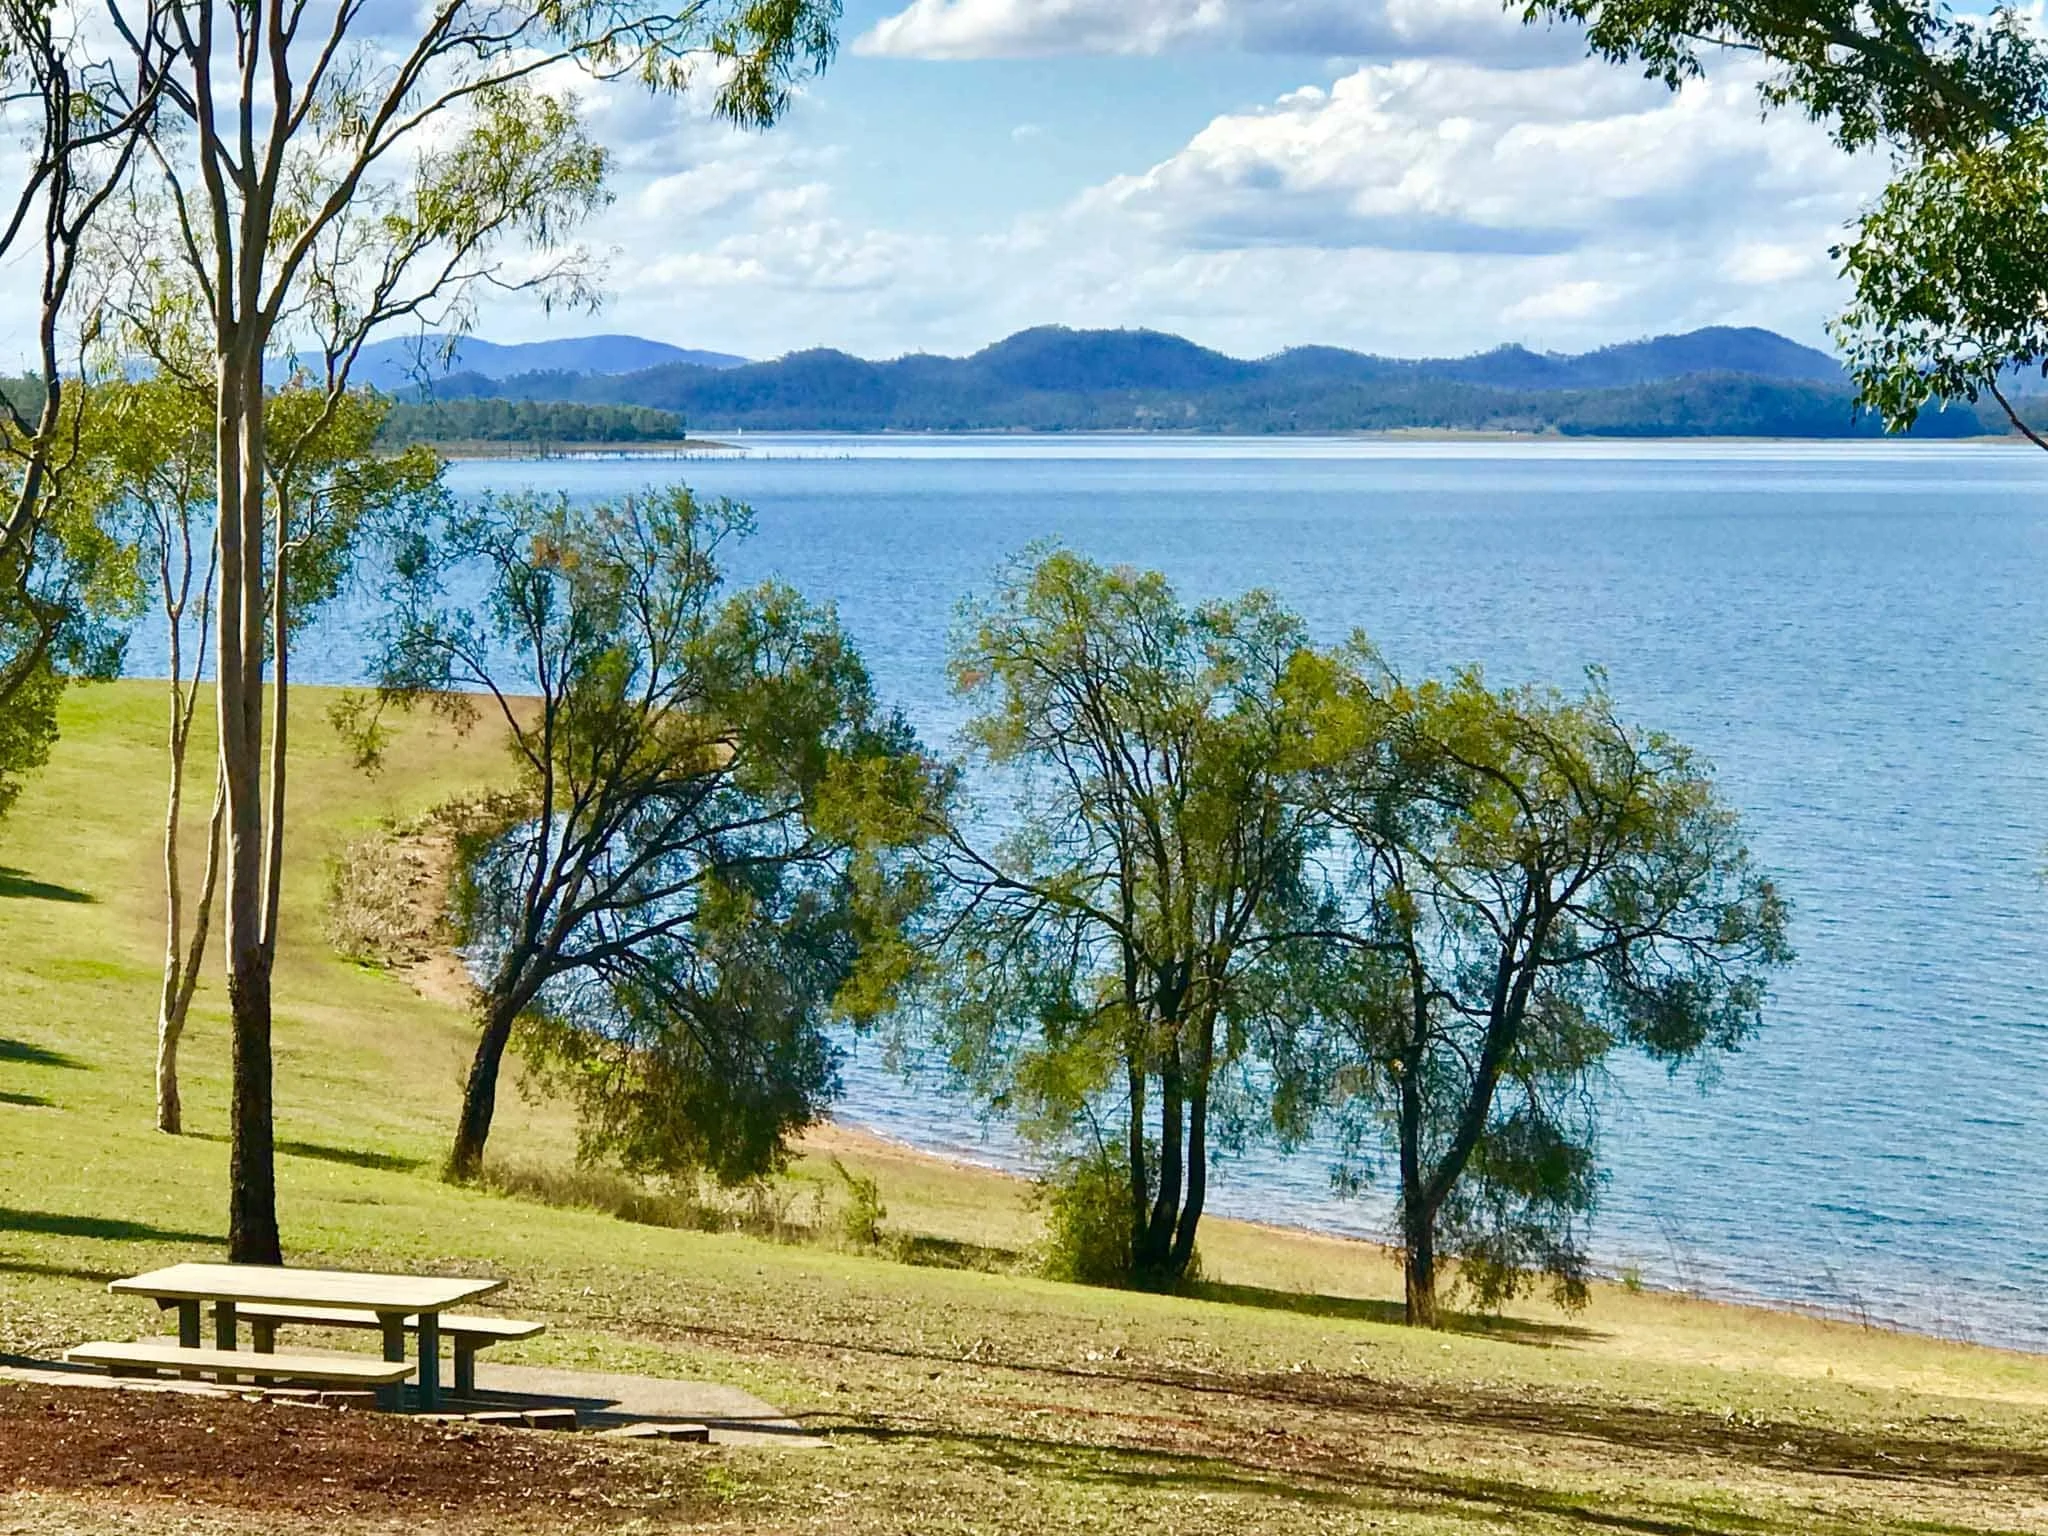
{"x":1283,"y":1400}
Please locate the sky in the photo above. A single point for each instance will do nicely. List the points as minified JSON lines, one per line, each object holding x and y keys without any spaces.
{"x":1409,"y":177}
{"x":1414,"y":177}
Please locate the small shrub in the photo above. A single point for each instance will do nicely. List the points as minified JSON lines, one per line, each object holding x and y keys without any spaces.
{"x":1088,"y":1221}
{"x":759,"y":1208}
{"x":396,"y":896}
{"x":861,"y":1218}
{"x":387,"y":897}
{"x":599,"y":1189}
{"x":1632,"y":1280}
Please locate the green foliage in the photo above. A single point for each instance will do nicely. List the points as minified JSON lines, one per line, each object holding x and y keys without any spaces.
{"x":533,"y":423}
{"x":69,"y":583}
{"x":1087,"y":1205}
{"x":1948,"y":277}
{"x":1524,"y":885}
{"x":334,"y":488}
{"x":1098,"y":954}
{"x":1217,"y":394}
{"x":860,"y":1220}
{"x":1948,"y":293}
{"x":1898,"y":72}
{"x":28,"y":714}
{"x":328,"y":478}
{"x":704,"y":864}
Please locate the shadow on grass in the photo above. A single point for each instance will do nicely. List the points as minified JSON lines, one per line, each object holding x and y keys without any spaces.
{"x":1373,"y":1488}
{"x":1522,"y":1417}
{"x":20,"y":884}
{"x":320,"y":1152}
{"x":19,"y":1053}
{"x":110,"y":1229}
{"x":949,"y":1253}
{"x":26,"y":1100}
{"x":1358,"y":1309}
{"x":60,"y":1271}
{"x":352,"y":1157}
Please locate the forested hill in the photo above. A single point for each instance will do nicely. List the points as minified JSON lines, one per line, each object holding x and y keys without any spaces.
{"x":1715,"y":382}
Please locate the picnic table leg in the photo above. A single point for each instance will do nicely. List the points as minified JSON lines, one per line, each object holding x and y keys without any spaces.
{"x":264,"y":1337}
{"x":224,"y":1334}
{"x":430,"y":1360}
{"x":188,"y":1324}
{"x":465,"y":1366}
{"x":393,"y":1396}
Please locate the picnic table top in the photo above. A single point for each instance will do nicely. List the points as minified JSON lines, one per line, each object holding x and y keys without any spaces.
{"x":308,"y":1287}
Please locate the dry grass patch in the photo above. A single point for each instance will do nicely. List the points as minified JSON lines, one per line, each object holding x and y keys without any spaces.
{"x":288,"y":1464}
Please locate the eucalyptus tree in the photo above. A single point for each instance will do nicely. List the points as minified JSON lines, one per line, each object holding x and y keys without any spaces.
{"x":60,"y":573}
{"x":703,"y":862}
{"x":326,"y":169}
{"x":1524,"y":886}
{"x":1102,"y":915}
{"x":156,"y":458}
{"x":330,"y":485}
{"x":1950,"y":293}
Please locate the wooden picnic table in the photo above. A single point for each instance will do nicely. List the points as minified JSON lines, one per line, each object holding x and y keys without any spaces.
{"x":392,"y":1299}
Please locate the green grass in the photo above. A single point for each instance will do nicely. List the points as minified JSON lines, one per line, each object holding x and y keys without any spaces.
{"x":967,"y":1398}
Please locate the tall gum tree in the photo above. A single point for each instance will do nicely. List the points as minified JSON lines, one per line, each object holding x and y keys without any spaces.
{"x":322,"y":178}
{"x":156,"y":455}
{"x":329,"y":487}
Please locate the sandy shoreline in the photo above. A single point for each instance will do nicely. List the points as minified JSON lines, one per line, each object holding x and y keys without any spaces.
{"x":838,"y":1138}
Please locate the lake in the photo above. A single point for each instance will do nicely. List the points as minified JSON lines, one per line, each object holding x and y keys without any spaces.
{"x":1857,"y":635}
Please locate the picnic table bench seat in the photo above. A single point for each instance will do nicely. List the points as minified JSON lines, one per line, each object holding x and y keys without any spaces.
{"x":159,"y":1356}
{"x":394,"y":1305}
{"x":469,"y":1333}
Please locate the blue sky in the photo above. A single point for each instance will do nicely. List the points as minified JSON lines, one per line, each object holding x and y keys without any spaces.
{"x":1402,"y":176}
{"x":1405,"y":176}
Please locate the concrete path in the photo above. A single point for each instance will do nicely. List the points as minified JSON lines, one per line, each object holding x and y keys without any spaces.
{"x":602,"y":1400}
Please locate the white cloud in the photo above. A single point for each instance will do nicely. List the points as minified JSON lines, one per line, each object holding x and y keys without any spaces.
{"x":1763,"y":262}
{"x":1439,"y":155}
{"x":979,"y":29}
{"x":1580,"y":300}
{"x":1423,"y":205}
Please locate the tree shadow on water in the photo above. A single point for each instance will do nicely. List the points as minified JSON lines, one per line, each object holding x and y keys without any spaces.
{"x":21,"y":885}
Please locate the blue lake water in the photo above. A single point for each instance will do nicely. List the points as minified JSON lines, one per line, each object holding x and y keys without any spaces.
{"x":1857,"y":635}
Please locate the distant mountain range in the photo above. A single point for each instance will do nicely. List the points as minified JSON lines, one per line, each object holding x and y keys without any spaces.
{"x":404,"y":362}
{"x":1722,"y":381}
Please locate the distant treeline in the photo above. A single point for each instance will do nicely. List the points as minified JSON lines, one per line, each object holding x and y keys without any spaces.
{"x":784,"y":396}
{"x":539,"y":422}
{"x":1709,"y":384}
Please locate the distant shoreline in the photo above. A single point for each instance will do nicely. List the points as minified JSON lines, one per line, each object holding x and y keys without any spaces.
{"x":660,"y":449}
{"x":742,"y":442}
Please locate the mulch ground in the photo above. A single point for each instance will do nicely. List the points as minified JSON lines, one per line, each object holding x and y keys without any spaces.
{"x":140,"y":1447}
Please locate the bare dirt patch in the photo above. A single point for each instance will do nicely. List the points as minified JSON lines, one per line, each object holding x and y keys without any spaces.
{"x":141,"y":1448}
